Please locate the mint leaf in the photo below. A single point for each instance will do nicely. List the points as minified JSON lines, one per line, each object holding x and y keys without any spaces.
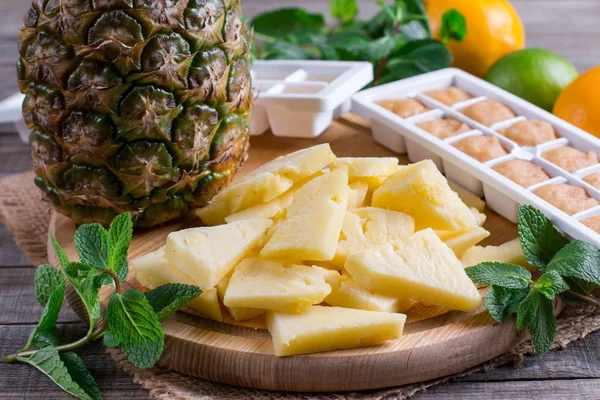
{"x":540,"y":240}
{"x":63,"y":259}
{"x":581,"y":286}
{"x":80,"y":374}
{"x":49,"y":317}
{"x":343,"y":10}
{"x":109,"y":339}
{"x":543,"y":327}
{"x":508,"y":276}
{"x":119,"y":239}
{"x":551,"y":284}
{"x":577,"y":260}
{"x":49,"y":362}
{"x":287,"y":21}
{"x":46,"y":339}
{"x":136,"y":327}
{"x":91,"y":244}
{"x":527,"y":310}
{"x":501,"y":303}
{"x":454,"y":26}
{"x":47,"y":280}
{"x":87,"y":284}
{"x":280,"y":50}
{"x":167,"y":299}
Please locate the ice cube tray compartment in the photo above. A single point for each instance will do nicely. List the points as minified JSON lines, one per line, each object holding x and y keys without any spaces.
{"x":501,"y":194}
{"x":301,"y":98}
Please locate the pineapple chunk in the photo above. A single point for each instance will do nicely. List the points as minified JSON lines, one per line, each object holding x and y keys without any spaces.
{"x":237,"y":313}
{"x":269,"y":285}
{"x":273,"y":209}
{"x":460,"y":242}
{"x":351,"y":294}
{"x":266,"y":183}
{"x":368,"y":167}
{"x":421,"y":267}
{"x":467,"y":197}
{"x":370,"y":227}
{"x":357,"y":193}
{"x":208,"y":254}
{"x":509,"y":252}
{"x":331,"y":328}
{"x":422,"y":191}
{"x":153,"y":270}
{"x":479,"y":216}
{"x":311,"y":228}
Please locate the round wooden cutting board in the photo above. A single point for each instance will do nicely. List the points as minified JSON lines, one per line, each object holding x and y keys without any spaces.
{"x":435,"y":343}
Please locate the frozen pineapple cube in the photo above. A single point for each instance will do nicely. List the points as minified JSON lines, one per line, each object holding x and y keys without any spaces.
{"x":153,"y":270}
{"x":460,"y":242}
{"x":368,"y":167}
{"x":357,"y":192}
{"x":421,"y":191}
{"x":208,"y":254}
{"x":331,"y":328}
{"x":420,"y":267}
{"x":237,"y":313}
{"x":370,"y":227}
{"x":509,"y":252}
{"x":312,"y":225}
{"x":266,"y":183}
{"x":269,"y":285}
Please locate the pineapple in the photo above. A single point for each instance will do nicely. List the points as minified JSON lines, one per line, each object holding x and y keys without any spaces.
{"x":368,"y":167}
{"x":237,"y":313}
{"x":331,"y":328}
{"x":311,"y":228}
{"x":357,"y":193}
{"x":273,"y":209}
{"x":208,"y":254}
{"x":467,"y":197}
{"x":153,"y":270}
{"x":135,"y":105}
{"x":267,"y":182}
{"x":270,"y":285}
{"x":460,"y":242}
{"x":509,"y":252}
{"x":421,"y":191}
{"x":420,"y":267}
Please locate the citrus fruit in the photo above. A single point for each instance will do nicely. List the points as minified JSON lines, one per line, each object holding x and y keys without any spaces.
{"x":579,"y":103}
{"x":493,"y":30}
{"x":536,"y":75}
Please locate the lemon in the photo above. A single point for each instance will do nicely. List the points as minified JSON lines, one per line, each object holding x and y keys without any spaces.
{"x":579,"y":103}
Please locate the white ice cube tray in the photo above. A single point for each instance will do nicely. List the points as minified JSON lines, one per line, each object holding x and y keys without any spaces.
{"x":301,"y":98}
{"x":501,"y":194}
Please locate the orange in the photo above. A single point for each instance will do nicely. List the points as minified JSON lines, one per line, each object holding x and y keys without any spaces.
{"x":494,"y":29}
{"x":579,"y":103}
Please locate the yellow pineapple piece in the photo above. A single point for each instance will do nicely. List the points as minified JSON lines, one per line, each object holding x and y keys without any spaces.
{"x":420,"y":267}
{"x":460,"y":242}
{"x":266,"y":183}
{"x":273,"y":209}
{"x":467,"y":197}
{"x":312,"y":225}
{"x":208,"y":254}
{"x":370,"y":227}
{"x":480,"y":217}
{"x":237,"y":313}
{"x":269,"y":285}
{"x":153,"y":270}
{"x":331,"y":328}
{"x":421,"y":191}
{"x":368,"y":167}
{"x":357,"y":194}
{"x":351,"y":294}
{"x":509,"y":252}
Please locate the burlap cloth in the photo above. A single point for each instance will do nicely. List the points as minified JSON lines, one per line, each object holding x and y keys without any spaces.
{"x":27,"y":217}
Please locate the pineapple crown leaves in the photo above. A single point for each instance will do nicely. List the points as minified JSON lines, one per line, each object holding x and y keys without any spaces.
{"x":132,"y":319}
{"x":562,"y":268}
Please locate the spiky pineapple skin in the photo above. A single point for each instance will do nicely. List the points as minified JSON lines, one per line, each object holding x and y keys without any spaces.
{"x":135,"y":105}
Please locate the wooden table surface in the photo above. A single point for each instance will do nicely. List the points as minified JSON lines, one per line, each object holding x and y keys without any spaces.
{"x":570,"y":28}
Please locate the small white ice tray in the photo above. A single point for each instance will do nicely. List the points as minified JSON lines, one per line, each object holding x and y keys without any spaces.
{"x":501,"y":194}
{"x":301,"y":98}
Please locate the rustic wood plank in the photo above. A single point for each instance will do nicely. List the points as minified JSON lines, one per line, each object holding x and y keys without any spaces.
{"x":10,"y":254}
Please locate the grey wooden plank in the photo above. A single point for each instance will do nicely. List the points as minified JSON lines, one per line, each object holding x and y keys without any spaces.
{"x":22,"y":381}
{"x":17,"y":297}
{"x":10,"y":254}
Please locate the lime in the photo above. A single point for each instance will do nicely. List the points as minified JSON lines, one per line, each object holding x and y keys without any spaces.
{"x":536,"y":75}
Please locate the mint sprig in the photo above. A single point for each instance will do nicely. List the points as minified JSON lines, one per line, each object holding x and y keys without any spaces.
{"x":566,"y":268}
{"x":132,"y":318}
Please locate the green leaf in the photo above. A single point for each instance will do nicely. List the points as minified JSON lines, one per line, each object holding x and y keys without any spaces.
{"x":46,"y":339}
{"x":509,"y":276}
{"x":454,"y":26}
{"x":551,"y":284}
{"x":287,"y":21}
{"x":109,"y":340}
{"x":87,"y":285}
{"x":63,"y":259}
{"x":416,"y":8}
{"x":136,"y":327}
{"x":540,"y":240}
{"x":80,"y":374}
{"x":167,"y":299}
{"x":577,"y":260}
{"x":343,"y":10}
{"x":49,"y":316}
{"x":528,"y":309}
{"x":47,"y":280}
{"x":501,"y":303}
{"x":50,"y":363}
{"x":543,"y":326}
{"x":280,"y":50}
{"x":580,"y":286}
{"x":120,"y":233}
{"x":91,"y":243}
